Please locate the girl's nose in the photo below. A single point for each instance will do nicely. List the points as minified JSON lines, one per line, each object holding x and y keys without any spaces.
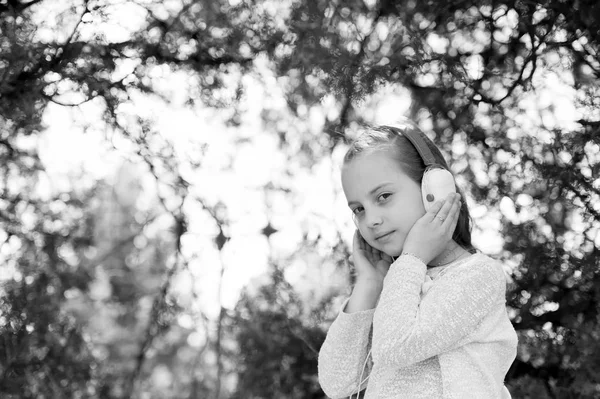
{"x":373,"y":218}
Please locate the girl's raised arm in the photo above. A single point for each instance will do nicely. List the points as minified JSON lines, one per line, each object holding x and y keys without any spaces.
{"x":408,"y":330}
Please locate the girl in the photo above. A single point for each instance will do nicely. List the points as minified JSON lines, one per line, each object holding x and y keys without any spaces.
{"x":427,"y":316}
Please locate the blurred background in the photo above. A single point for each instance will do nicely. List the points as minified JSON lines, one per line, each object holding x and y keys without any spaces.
{"x":172,"y":223}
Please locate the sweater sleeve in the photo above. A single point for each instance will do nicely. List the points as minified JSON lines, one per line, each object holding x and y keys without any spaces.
{"x":407,"y":330}
{"x":344,"y":353}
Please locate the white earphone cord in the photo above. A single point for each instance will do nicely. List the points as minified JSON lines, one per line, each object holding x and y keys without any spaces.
{"x":361,"y":375}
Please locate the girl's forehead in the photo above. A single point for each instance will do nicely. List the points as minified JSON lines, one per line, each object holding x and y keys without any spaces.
{"x":375,"y":161}
{"x":371,"y":167}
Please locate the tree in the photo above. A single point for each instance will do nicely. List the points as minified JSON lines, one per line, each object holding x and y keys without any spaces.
{"x":497,"y":84}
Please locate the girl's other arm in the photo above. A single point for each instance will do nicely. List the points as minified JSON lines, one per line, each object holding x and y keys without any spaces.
{"x":344,"y":352}
{"x":364,"y":295}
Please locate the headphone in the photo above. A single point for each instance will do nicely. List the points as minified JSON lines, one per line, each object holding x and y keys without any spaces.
{"x":437,"y":181}
{"x":436,"y":184}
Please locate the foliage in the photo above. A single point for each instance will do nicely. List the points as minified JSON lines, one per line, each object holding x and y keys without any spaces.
{"x":276,"y":350}
{"x":496,"y":82}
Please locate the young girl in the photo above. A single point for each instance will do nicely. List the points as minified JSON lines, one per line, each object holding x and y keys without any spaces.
{"x":427,"y":316}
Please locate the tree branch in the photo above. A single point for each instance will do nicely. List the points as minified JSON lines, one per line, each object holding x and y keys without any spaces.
{"x":14,"y":7}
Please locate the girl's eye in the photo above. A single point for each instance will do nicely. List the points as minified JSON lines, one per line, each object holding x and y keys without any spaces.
{"x":385,"y":194}
{"x":356,"y":210}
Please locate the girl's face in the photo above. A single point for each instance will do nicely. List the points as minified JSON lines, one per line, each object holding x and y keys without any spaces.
{"x":383,"y":199}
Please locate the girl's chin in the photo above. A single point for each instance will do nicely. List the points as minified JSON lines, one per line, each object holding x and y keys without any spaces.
{"x":391,"y":247}
{"x":391,"y":251}
{"x":394,"y":254}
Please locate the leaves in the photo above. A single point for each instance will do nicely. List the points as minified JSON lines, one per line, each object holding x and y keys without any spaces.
{"x":508,"y":89}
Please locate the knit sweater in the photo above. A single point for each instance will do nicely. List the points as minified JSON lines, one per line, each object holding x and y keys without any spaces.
{"x":441,"y":332}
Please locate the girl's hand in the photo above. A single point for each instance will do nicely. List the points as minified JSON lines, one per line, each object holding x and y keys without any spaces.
{"x":431,"y":233}
{"x":369,"y":263}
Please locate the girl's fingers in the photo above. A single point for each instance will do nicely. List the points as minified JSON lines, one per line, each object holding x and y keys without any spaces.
{"x":452,"y":217}
{"x":443,"y":213}
{"x":435,"y":208}
{"x":357,"y":240}
{"x":387,"y":258}
{"x":375,"y":254}
{"x":363,"y":244}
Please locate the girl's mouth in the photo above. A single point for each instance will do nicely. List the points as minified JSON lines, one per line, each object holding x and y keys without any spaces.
{"x":385,"y":237}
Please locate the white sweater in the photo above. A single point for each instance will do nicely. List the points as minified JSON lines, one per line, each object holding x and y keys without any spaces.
{"x":441,"y":332}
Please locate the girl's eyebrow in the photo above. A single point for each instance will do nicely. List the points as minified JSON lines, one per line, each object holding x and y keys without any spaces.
{"x":372,"y":191}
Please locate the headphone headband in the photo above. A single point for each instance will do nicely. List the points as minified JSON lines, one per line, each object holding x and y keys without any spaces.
{"x":415,"y":136}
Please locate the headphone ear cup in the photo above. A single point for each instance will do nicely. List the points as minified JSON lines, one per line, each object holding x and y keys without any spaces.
{"x":437,"y":183}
